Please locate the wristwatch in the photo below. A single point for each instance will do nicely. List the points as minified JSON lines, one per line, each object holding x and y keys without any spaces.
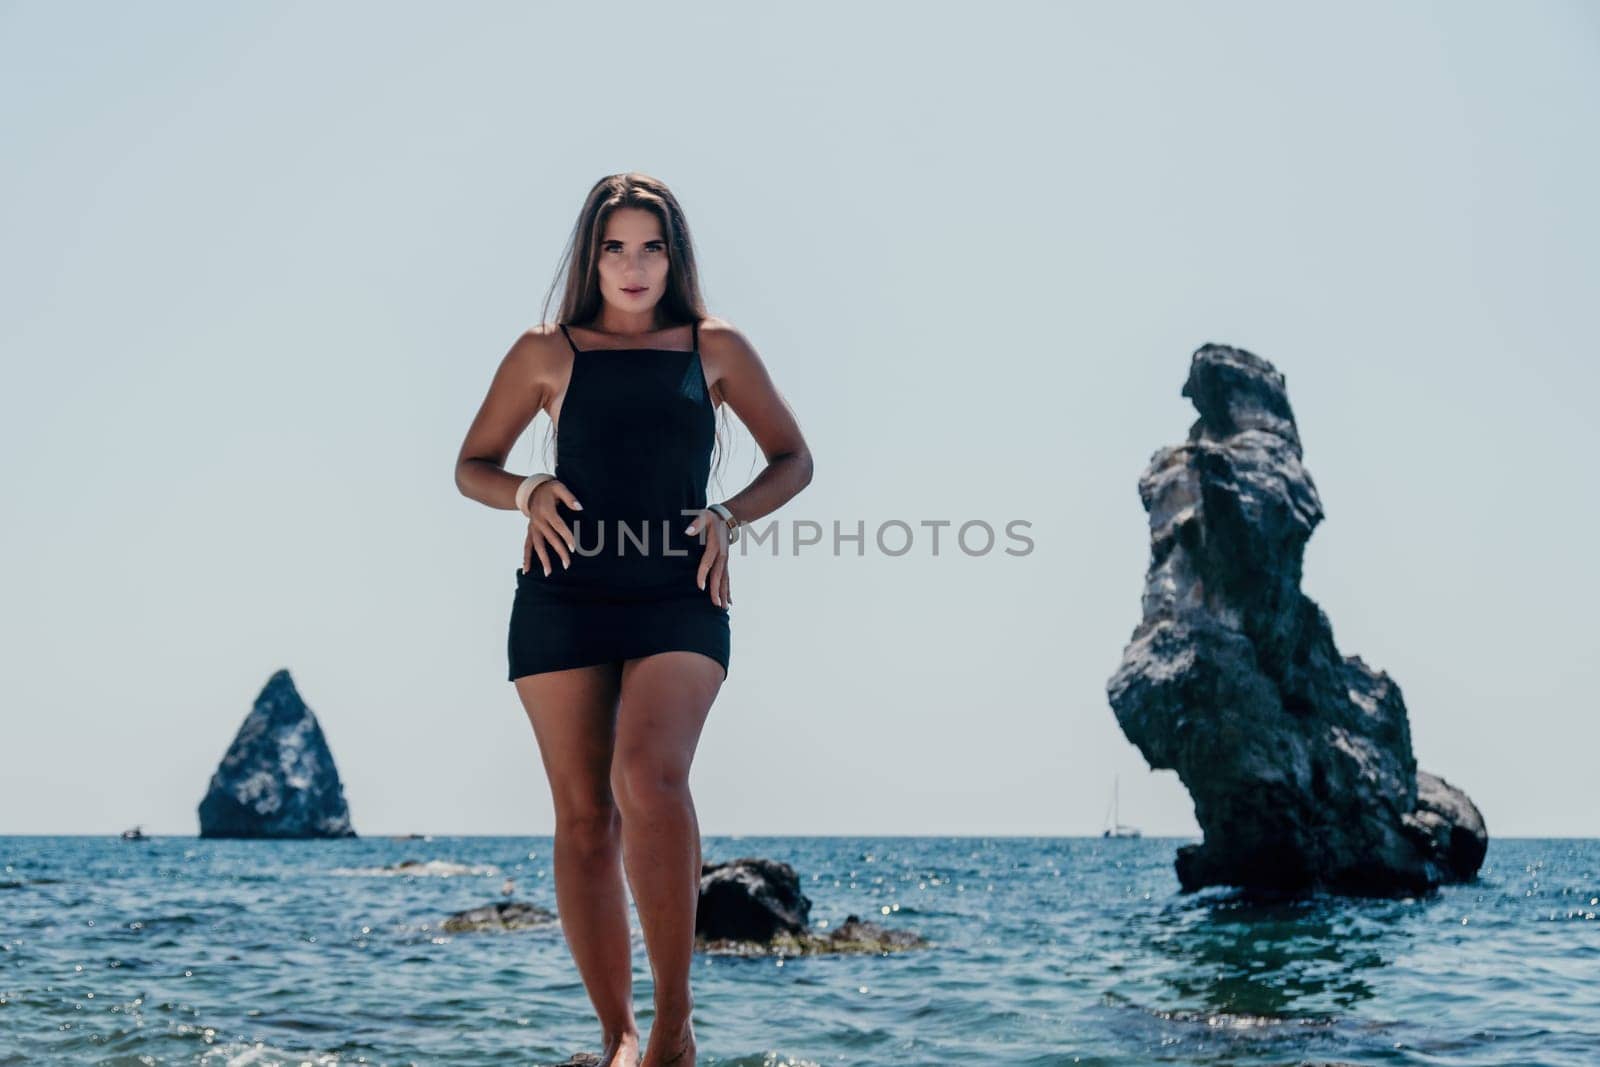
{"x":727,"y":517}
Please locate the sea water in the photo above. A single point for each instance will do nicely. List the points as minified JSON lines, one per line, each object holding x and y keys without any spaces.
{"x":1042,"y":952}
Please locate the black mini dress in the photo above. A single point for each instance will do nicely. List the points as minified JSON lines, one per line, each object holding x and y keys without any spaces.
{"x":634,"y":445}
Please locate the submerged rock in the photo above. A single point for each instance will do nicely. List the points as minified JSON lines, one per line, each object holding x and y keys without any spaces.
{"x":409,"y":868}
{"x":1298,"y":758}
{"x":277,"y":778}
{"x":854,"y":935}
{"x":754,"y":907}
{"x":501,"y":915}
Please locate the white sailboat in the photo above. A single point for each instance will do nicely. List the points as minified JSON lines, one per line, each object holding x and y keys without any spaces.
{"x":1113,"y":827}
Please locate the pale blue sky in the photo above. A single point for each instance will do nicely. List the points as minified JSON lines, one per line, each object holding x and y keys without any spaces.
{"x":261,"y":261}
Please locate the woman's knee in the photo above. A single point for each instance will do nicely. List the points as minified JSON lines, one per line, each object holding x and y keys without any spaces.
{"x":593,"y":825}
{"x":646,"y":781}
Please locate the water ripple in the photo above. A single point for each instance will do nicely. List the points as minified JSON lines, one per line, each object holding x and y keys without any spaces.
{"x":1045,"y":952}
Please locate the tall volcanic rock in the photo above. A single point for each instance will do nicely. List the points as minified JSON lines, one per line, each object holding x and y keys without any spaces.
{"x":1298,"y":758}
{"x":278,"y":777}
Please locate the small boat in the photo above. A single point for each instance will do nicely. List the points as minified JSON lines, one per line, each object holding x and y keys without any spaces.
{"x":136,"y":834}
{"x":1113,"y":827}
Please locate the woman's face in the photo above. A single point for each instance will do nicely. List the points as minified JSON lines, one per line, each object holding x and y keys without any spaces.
{"x":633,"y":259}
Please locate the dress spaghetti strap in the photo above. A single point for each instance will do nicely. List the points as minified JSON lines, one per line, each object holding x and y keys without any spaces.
{"x":576,"y":350}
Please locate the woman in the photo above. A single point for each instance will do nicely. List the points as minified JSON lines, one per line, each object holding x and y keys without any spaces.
{"x":619,"y":637}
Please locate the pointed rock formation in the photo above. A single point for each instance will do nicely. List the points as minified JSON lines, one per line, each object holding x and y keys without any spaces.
{"x":1298,"y":758}
{"x":278,"y":777}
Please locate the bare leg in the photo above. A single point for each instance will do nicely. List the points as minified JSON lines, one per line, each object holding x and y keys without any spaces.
{"x":663,"y":705}
{"x":573,"y":713}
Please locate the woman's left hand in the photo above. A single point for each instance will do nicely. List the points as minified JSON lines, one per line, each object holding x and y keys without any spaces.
{"x":714,"y":560}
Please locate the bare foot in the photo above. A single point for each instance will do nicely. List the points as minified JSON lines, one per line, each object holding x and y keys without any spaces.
{"x":671,"y":1046}
{"x":621,"y":1051}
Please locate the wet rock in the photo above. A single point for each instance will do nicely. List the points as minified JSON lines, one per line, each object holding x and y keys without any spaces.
{"x":277,"y":778}
{"x":501,"y":915}
{"x":754,"y":907}
{"x":1448,"y":826}
{"x":1298,"y":758}
{"x":854,"y":935}
{"x":750,"y":899}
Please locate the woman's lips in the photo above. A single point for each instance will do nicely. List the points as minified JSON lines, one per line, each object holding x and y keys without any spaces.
{"x":640,"y":289}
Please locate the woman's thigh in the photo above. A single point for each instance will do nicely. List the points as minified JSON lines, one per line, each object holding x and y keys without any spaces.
{"x":574,"y":717}
{"x":661,"y":708}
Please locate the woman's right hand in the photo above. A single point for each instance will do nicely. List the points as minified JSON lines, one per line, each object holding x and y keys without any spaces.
{"x":547,"y":527}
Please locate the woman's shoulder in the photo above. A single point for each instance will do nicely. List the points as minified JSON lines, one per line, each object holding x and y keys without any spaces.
{"x":727,"y":341}
{"x":726,"y":354}
{"x":722,"y":334}
{"x":542,"y":352}
{"x":545,"y":341}
{"x":545,"y":332}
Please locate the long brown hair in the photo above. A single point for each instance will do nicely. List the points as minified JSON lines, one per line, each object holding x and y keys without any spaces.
{"x":682,"y":303}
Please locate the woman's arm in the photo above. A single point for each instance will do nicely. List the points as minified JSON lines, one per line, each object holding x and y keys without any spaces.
{"x":745,"y":385}
{"x":517,"y":393}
